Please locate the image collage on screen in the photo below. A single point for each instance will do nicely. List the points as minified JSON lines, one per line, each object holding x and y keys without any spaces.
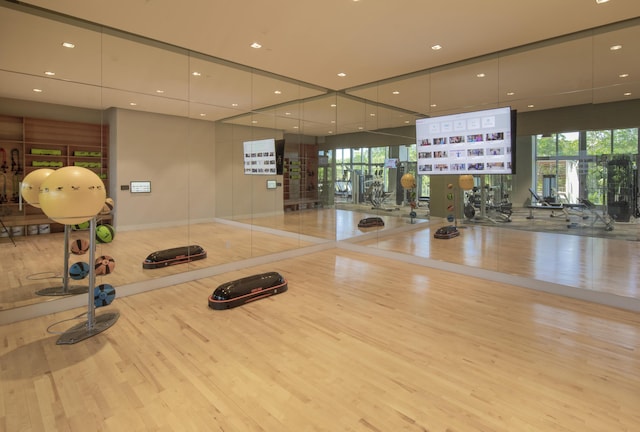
{"x":469,"y":143}
{"x":260,"y":157}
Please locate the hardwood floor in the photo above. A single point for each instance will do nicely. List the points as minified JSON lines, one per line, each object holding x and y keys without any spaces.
{"x":357,"y":343}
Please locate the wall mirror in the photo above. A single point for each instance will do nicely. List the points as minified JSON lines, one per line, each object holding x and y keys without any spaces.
{"x":177,"y":116}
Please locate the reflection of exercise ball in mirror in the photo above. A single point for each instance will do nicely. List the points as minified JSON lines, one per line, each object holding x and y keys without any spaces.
{"x":465,"y":182}
{"x":31,"y":183}
{"x":72,"y":195}
{"x":408,"y":181}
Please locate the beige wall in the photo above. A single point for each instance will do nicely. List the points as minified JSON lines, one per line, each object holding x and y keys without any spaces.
{"x":240,"y":196}
{"x":176,"y":154}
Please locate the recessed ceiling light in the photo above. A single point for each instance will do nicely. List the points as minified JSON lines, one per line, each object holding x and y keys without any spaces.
{"x":287,"y":113}
{"x":433,"y":105}
{"x":133,"y":103}
{"x":295,"y":127}
{"x":330,"y":132}
{"x":342,"y":74}
{"x":627,"y":94}
{"x":277,"y":92}
{"x":436,"y":47}
{"x":254,"y":121}
{"x":256,"y":45}
{"x":333,"y":122}
{"x":234,"y":104}
{"x":203,"y":115}
{"x":160,"y":91}
{"x":530,"y":106}
{"x":68,"y":45}
{"x":510,"y":93}
{"x":624,"y":75}
{"x":615,"y":47}
{"x":333,"y":105}
{"x":372,"y":114}
{"x":360,"y":128}
{"x":602,"y":1}
{"x":49,"y":73}
{"x":407,"y":122}
{"x":396,"y":92}
{"x":480,"y":75}
{"x":196,"y":73}
{"x":37,"y":90}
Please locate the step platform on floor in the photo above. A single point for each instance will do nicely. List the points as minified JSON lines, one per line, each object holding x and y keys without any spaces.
{"x":248,"y":289}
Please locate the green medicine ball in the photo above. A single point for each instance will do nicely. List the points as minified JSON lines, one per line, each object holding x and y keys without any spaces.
{"x":81,"y":226}
{"x":105,"y":233}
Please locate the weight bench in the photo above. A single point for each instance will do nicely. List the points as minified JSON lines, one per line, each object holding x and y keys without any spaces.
{"x":555,"y":207}
{"x":592,"y":209}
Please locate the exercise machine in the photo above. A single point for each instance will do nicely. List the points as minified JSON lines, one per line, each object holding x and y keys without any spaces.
{"x":481,"y":205}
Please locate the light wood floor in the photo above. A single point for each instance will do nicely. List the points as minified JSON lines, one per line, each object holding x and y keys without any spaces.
{"x":357,"y":343}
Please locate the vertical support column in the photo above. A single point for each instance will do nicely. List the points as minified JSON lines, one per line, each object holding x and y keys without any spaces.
{"x":91,"y":308}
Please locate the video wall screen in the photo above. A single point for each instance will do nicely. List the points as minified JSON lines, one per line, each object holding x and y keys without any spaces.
{"x":260,"y":157}
{"x":478,"y":142}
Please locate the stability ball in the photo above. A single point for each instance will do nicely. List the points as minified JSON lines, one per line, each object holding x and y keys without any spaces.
{"x":30,"y":188}
{"x":465,"y":182}
{"x":72,"y":195}
{"x":408,"y":181}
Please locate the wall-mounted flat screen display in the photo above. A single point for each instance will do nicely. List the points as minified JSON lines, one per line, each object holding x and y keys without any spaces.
{"x":260,"y":157}
{"x":140,"y":186}
{"x":480,"y":142}
{"x":391,"y":163}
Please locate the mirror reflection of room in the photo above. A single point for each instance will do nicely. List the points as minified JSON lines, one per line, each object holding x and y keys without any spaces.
{"x":202,"y":175}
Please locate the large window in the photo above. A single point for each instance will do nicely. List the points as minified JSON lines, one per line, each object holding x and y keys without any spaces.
{"x":572,"y":166}
{"x":557,"y":162}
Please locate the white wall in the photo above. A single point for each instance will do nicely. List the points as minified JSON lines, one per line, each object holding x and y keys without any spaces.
{"x":176,"y":154}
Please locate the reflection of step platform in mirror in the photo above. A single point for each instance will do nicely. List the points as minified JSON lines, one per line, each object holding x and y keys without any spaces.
{"x":371,"y":222}
{"x":446,"y":232}
{"x":173,"y":256}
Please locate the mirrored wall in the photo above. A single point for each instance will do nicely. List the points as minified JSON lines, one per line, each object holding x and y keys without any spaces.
{"x":179,"y":121}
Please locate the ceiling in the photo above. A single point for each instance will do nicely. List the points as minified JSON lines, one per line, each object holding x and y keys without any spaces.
{"x":534,"y":55}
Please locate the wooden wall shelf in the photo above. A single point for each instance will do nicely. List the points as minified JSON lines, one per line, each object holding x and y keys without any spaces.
{"x":28,"y":144}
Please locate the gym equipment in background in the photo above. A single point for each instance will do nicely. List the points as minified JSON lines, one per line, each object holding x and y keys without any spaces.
{"x":173,"y":256}
{"x":481,"y":205}
{"x":371,"y":222}
{"x":408,"y":183}
{"x":592,"y":209}
{"x":622,"y":187}
{"x":248,"y":289}
{"x":565,"y":209}
{"x":375,"y":193}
